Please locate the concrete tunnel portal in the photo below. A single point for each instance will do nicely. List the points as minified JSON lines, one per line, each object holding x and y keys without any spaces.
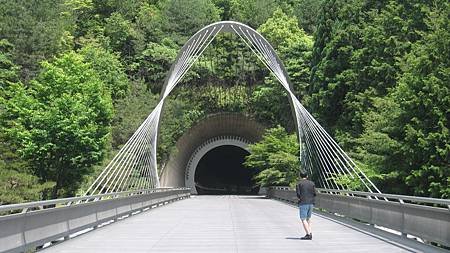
{"x":221,"y":171}
{"x":209,"y":157}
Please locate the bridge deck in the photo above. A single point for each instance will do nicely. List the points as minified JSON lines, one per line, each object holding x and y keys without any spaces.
{"x":223,"y":224}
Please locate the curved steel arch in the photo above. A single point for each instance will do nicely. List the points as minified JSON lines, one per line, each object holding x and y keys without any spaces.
{"x":245,"y":33}
{"x":320,"y":153}
{"x":223,"y":26}
{"x":331,"y":159}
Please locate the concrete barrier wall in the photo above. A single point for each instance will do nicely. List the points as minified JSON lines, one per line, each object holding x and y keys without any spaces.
{"x":28,"y":230}
{"x":429,"y":223}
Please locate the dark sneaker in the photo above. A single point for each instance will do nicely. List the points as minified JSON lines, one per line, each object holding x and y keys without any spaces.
{"x":306,"y":237}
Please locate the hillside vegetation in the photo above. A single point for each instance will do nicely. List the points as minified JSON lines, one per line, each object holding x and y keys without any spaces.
{"x":77,"y":77}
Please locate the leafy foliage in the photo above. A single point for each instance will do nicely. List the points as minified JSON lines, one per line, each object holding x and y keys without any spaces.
{"x":307,"y":14}
{"x":424,"y":98}
{"x":120,"y":33}
{"x":380,"y":82}
{"x":294,"y":48}
{"x":177,"y":118}
{"x":61,"y":121}
{"x":181,"y":20}
{"x":276,"y":157}
{"x":130,"y":112}
{"x":357,"y":50}
{"x":109,"y":68}
{"x":244,"y":11}
{"x":8,"y":70}
{"x":375,"y":74}
{"x":18,"y":184}
{"x":38,"y":29}
{"x":154,"y":63}
{"x":293,"y":45}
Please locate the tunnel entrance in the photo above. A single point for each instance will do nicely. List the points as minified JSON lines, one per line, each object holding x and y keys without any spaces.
{"x":221,"y":171}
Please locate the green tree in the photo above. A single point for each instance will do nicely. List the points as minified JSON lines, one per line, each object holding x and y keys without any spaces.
{"x":127,"y":9}
{"x":379,"y":147}
{"x":180,"y":20}
{"x":121,"y":34}
{"x":148,"y":25}
{"x":179,"y":115}
{"x":294,"y":47}
{"x":276,"y":157}
{"x":252,"y":12}
{"x":8,"y":70}
{"x":154,"y":63}
{"x":17,"y":183}
{"x":38,"y":29}
{"x":269,"y":101}
{"x":61,"y":121}
{"x":406,"y":133}
{"x":131,"y":111}
{"x":423,"y":94}
{"x":224,"y":7}
{"x":307,"y":12}
{"x":282,"y":31}
{"x":356,"y":56}
{"x":109,"y":68}
{"x":228,"y":62}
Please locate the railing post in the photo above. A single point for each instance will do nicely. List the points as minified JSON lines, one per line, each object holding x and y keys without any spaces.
{"x":67,"y":234}
{"x":404,"y":235}
{"x":116,"y":216}
{"x":371,"y":223}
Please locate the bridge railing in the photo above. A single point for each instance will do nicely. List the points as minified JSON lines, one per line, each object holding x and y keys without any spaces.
{"x":45,"y":221}
{"x":425,"y":218}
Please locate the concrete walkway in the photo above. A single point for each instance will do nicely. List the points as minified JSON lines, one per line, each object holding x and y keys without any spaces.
{"x":223,"y":224}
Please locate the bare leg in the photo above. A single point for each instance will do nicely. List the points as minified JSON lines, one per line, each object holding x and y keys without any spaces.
{"x":306,"y":226}
{"x":309,"y":225}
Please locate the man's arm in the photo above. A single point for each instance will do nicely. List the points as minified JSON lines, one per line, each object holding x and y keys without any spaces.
{"x":297,"y":190}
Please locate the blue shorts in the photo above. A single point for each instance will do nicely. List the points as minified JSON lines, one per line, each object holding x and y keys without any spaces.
{"x":305,"y":211}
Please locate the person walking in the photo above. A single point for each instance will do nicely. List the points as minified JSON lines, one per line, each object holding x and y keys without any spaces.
{"x":306,"y":193}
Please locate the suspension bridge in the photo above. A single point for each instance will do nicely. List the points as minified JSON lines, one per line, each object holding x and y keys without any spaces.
{"x":134,"y":207}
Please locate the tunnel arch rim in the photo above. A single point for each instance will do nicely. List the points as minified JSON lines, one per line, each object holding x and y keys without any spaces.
{"x":204,"y":148}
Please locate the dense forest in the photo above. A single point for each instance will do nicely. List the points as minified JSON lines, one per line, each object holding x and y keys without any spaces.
{"x":77,"y":77}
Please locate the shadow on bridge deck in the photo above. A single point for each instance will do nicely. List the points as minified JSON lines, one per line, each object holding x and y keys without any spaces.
{"x":224,"y":224}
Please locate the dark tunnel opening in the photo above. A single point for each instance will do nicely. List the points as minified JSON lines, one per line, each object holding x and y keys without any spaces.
{"x":221,"y":171}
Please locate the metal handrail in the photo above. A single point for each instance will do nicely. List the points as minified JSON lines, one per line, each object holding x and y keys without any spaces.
{"x":420,"y":216}
{"x":76,"y":200}
{"x":22,"y":232}
{"x":399,"y":198}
